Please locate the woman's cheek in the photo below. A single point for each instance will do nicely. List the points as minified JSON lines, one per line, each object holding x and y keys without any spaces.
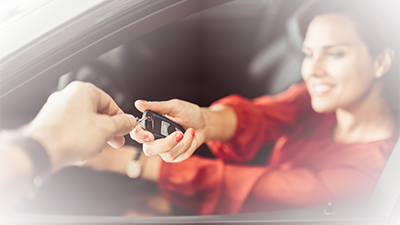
{"x":305,"y":70}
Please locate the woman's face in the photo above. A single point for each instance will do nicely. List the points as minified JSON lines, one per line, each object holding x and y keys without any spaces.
{"x":337,"y":69}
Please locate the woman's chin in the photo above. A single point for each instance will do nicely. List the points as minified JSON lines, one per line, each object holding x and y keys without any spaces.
{"x":320,"y":107}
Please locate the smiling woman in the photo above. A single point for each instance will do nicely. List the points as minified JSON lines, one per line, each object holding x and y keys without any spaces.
{"x":342,"y":76}
{"x":360,"y":32}
{"x":334,"y":133}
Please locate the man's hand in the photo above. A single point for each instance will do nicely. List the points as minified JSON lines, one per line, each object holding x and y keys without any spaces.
{"x":76,"y":123}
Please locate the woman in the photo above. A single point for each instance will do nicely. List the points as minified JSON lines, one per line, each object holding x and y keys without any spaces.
{"x":334,"y":133}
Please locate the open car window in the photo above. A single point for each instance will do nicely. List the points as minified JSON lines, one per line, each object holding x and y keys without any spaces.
{"x":104,"y":26}
{"x":144,"y":49}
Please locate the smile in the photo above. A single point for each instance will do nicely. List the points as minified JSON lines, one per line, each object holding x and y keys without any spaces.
{"x":321,"y":89}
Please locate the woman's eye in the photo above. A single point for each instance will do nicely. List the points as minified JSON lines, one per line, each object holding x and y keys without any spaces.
{"x":336,"y":54}
{"x":307,"y":54}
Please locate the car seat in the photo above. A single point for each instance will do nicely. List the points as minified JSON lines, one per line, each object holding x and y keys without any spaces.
{"x":276,"y":66}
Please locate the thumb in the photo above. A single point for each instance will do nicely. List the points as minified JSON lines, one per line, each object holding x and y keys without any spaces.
{"x":122,"y":124}
{"x":170,"y":107}
{"x":117,"y":142}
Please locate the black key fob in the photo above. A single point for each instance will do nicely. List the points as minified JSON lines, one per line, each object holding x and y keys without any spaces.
{"x":159,"y":125}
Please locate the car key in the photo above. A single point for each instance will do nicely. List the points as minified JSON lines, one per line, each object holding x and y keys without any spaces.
{"x":158,"y":125}
{"x":140,"y":120}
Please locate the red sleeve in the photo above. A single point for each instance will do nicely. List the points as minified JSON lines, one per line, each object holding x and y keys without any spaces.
{"x":281,"y":188}
{"x":260,"y":121}
{"x":207,"y":186}
{"x":345,"y":173}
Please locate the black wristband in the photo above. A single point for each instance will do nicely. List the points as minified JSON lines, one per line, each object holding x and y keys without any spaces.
{"x":37,"y":153}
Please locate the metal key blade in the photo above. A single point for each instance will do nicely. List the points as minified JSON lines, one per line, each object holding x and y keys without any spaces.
{"x":140,"y":120}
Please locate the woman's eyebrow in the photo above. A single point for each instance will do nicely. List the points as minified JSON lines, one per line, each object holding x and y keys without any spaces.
{"x":305,"y":47}
{"x":337,"y":45}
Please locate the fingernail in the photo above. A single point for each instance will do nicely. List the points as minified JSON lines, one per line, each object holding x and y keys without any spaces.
{"x":146,"y":138}
{"x":132,"y":119}
{"x":178,"y":137}
{"x":192,"y":132}
{"x":139,"y":101}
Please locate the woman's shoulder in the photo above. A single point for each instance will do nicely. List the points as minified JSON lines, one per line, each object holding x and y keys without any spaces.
{"x":295,"y":98}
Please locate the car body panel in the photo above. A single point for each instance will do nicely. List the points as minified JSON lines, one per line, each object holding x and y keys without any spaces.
{"x":25,"y":30}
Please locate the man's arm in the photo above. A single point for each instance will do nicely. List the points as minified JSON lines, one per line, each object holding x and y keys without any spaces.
{"x":16,"y":174}
{"x":74,"y":125}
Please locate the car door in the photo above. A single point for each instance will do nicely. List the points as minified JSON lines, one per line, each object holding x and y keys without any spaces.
{"x":30,"y":70}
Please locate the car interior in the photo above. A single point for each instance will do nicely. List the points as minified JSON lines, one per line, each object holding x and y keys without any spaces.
{"x":198,"y":51}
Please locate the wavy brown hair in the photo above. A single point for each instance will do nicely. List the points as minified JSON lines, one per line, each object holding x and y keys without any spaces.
{"x":377,"y":26}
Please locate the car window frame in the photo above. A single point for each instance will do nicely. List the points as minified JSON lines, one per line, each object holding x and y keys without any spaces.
{"x":63,"y":52}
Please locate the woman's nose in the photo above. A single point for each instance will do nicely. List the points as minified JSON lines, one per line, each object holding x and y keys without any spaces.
{"x":313,"y":67}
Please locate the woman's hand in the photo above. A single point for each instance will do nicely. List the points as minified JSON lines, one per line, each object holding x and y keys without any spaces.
{"x":177,"y":146}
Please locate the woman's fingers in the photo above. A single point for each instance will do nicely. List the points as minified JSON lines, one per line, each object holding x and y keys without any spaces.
{"x":162,"y":145}
{"x":183,"y":150}
{"x":170,"y":147}
{"x":141,"y":136}
{"x":177,"y":146}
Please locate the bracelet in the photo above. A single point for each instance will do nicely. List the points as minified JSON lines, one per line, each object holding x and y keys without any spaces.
{"x":134,"y":167}
{"x":37,"y":154}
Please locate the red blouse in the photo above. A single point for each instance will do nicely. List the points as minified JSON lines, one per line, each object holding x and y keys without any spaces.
{"x":305,"y":167}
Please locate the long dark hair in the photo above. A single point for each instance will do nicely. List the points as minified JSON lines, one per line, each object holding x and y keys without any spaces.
{"x":377,"y":25}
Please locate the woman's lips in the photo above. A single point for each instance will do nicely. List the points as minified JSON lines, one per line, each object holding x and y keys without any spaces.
{"x":320,"y":89}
